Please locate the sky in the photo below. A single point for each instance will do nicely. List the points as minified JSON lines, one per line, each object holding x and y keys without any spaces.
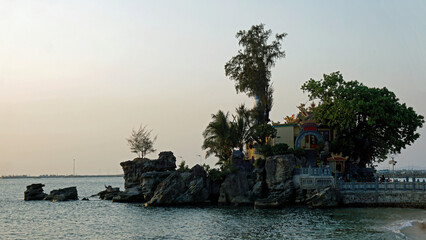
{"x":77,"y":76}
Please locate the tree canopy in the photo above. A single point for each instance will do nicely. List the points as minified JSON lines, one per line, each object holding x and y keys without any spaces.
{"x":222,"y":135}
{"x":251,"y":71}
{"x":251,"y":67}
{"x":370,"y":122}
{"x":141,"y":142}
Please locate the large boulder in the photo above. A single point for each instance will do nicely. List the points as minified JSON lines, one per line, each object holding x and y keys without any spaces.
{"x":328,"y":197}
{"x":168,"y":190}
{"x":197,"y":187}
{"x":237,"y":161}
{"x":236,"y":189}
{"x":279,"y":169}
{"x":134,"y":169}
{"x":34,"y":192}
{"x":280,"y":195}
{"x":63,"y":194}
{"x":150,"y":181}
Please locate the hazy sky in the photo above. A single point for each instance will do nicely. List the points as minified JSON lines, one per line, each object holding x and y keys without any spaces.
{"x":77,"y":76}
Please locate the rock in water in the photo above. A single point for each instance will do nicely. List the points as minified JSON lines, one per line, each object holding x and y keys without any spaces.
{"x":168,"y":190}
{"x":142,"y":175}
{"x":34,"y":192}
{"x":108,"y":193}
{"x":63,"y":194}
{"x":134,"y":169}
{"x":235,"y":189}
{"x":328,"y":197}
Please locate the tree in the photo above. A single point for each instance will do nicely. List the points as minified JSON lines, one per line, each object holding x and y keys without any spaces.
{"x":218,"y":137}
{"x":370,"y":122}
{"x":221,"y":135}
{"x":242,"y":127}
{"x":140,"y":141}
{"x":251,"y":67}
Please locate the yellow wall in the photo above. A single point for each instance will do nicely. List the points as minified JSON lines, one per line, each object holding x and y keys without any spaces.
{"x":286,"y":134}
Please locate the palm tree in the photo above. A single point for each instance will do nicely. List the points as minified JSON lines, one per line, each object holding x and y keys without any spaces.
{"x":218,"y":137}
{"x":242,"y":127}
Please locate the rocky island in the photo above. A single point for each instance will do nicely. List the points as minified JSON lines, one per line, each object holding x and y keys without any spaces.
{"x":158,"y":183}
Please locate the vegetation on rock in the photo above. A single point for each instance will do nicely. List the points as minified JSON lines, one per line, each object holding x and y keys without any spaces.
{"x":370,"y":122}
{"x":141,"y":142}
{"x":251,"y":71}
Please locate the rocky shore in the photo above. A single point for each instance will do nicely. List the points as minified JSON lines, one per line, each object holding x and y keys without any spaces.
{"x":158,"y":183}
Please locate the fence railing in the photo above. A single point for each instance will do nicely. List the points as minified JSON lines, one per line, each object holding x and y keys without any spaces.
{"x":375,"y":186}
{"x":317,"y":171}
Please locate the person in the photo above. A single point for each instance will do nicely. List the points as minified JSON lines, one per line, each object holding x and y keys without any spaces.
{"x":382,"y":178}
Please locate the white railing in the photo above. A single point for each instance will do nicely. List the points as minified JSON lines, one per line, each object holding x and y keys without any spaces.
{"x":319,"y":171}
{"x":375,"y":186}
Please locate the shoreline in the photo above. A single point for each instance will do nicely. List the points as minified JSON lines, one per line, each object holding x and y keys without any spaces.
{"x":60,"y":176}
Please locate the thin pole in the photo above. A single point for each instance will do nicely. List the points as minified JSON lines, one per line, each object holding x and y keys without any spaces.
{"x":73,"y":167}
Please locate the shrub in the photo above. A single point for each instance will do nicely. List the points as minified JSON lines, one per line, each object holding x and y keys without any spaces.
{"x":280,"y":149}
{"x":182,"y":167}
{"x":259,"y":163}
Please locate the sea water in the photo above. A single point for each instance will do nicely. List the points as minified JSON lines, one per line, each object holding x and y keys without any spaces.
{"x":96,"y":219}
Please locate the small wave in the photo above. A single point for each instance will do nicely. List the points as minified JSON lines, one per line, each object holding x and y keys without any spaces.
{"x":415,"y":230}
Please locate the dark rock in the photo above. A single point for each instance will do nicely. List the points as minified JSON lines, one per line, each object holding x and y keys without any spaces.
{"x":235,"y":189}
{"x":108,"y":193}
{"x":280,"y":195}
{"x":34,"y":192}
{"x":328,"y":197}
{"x":270,"y":202}
{"x":132,"y":194}
{"x":85,"y":199}
{"x":279,"y":169}
{"x":150,"y":181}
{"x":64,"y":194}
{"x":197,"y":187}
{"x":168,"y":190}
{"x":134,"y":169}
{"x":238,"y":162}
{"x":142,"y":175}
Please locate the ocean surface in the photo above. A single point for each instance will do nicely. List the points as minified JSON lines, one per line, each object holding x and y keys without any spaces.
{"x":96,"y":219}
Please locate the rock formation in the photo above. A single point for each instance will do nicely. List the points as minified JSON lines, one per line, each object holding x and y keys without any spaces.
{"x":142,"y":175}
{"x":157,"y":183}
{"x":278,"y":179}
{"x":34,"y":192}
{"x":108,"y":193}
{"x":328,"y":197}
{"x":63,"y":194}
{"x":168,"y":190}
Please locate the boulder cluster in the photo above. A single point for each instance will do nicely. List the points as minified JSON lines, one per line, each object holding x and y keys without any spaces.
{"x":158,"y":183}
{"x":36,"y":192}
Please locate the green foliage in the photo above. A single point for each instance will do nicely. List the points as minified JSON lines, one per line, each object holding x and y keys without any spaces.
{"x":215,"y":175}
{"x":241,"y":127}
{"x":251,"y":67}
{"x":222,"y":135}
{"x":182,"y":167}
{"x":218,"y":137}
{"x":262,"y":132}
{"x":251,"y":71}
{"x":140,"y":141}
{"x":265,"y":150}
{"x":370,"y":122}
{"x":259,"y":163}
{"x":206,"y":167}
{"x":280,"y":149}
